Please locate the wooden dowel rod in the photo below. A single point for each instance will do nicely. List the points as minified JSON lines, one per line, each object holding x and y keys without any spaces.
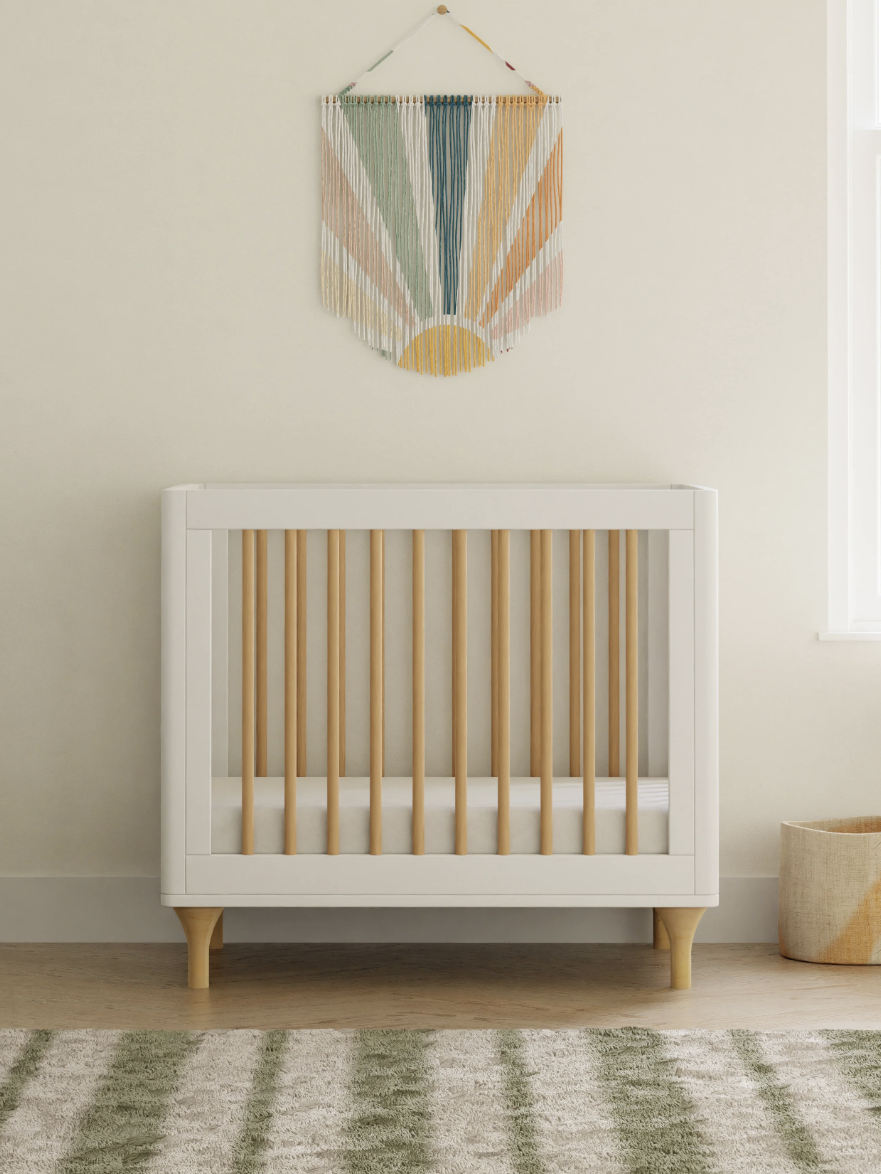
{"x":342,"y":653}
{"x":614,"y":655}
{"x":453,"y":671}
{"x":504,"y":691}
{"x":460,"y":684}
{"x":301,"y":653}
{"x":534,"y":653}
{"x":418,"y":692}
{"x":494,"y":654}
{"x":290,"y":692}
{"x":574,"y":653}
{"x":547,"y":697}
{"x":631,"y":682}
{"x":248,"y":692}
{"x":333,"y":692}
{"x":589,"y":694}
{"x":376,"y":711}
{"x":382,"y":645}
{"x":262,"y":650}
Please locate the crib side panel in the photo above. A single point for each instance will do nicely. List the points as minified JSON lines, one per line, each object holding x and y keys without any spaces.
{"x":199,"y":690}
{"x":440,"y":507}
{"x":434,"y":879}
{"x":681,"y":692}
{"x":220,"y":652}
{"x":658,"y":653}
{"x":706,"y":674}
{"x":174,"y":689}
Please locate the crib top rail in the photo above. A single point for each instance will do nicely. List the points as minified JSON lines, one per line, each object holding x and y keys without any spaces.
{"x":439,"y":506}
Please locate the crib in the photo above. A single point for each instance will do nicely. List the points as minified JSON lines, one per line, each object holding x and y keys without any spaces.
{"x":439,"y":695}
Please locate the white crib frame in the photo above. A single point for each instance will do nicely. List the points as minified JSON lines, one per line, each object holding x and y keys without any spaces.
{"x":194,"y":518}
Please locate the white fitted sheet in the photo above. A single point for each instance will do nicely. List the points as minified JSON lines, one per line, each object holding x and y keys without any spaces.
{"x":226,"y":816}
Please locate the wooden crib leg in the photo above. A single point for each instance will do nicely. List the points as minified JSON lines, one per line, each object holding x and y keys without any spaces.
{"x":217,"y":934}
{"x":680,"y":925}
{"x":660,"y":937}
{"x":198,"y":923}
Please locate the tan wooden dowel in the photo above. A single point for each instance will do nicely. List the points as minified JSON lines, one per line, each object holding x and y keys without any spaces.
{"x":342,"y":653}
{"x":382,"y":645}
{"x":614,"y":654}
{"x":454,"y":743}
{"x":262,"y":651}
{"x":547,"y":697}
{"x":248,"y":692}
{"x":333,"y":692}
{"x":574,"y":653}
{"x":454,"y":708}
{"x":494,"y":653}
{"x":504,"y":692}
{"x":418,"y":692}
{"x":535,"y":653}
{"x":631,"y":682}
{"x":290,"y":692}
{"x":589,"y":698}
{"x":460,"y":684}
{"x":301,"y":653}
{"x":376,"y":675}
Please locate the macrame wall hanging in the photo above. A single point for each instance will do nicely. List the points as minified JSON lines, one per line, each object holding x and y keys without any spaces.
{"x":441,"y":232}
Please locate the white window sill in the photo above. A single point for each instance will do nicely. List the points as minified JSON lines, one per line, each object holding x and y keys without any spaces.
{"x":849,"y":635}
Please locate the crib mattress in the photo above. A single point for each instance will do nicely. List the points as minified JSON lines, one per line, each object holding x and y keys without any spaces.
{"x":226,"y":816}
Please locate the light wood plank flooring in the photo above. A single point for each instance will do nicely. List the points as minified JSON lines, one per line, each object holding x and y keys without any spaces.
{"x":266,"y":986}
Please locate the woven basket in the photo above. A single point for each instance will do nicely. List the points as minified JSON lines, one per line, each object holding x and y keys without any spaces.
{"x":830,"y":890}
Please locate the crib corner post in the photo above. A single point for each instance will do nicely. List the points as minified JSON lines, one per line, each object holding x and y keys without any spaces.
{"x":680,"y":924}
{"x":199,"y":923}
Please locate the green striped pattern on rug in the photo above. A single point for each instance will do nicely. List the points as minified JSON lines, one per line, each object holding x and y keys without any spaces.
{"x":622,"y":1101}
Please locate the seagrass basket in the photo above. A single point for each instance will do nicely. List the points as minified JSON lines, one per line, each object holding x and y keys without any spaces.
{"x":830,"y":890}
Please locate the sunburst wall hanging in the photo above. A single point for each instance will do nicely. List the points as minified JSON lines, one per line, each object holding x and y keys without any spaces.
{"x":442,"y":219}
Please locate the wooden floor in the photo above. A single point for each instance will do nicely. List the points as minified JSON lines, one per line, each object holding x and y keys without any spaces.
{"x":266,"y":986}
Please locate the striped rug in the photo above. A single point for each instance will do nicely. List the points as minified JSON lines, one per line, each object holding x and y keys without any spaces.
{"x":629,"y":1101}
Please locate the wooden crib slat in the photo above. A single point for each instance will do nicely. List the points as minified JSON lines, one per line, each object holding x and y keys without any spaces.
{"x":418,"y":692}
{"x":547,"y":697}
{"x":262,"y":651}
{"x":301,"y":653}
{"x":504,"y":691}
{"x":535,"y":653}
{"x":342,"y":653}
{"x":614,"y":654}
{"x":574,"y":653}
{"x":290,"y":692}
{"x":493,"y":653}
{"x":333,"y":692}
{"x":382,"y":642}
{"x":460,"y":686}
{"x":376,"y":691}
{"x":248,"y":699}
{"x":589,"y":694}
{"x":631,"y":684}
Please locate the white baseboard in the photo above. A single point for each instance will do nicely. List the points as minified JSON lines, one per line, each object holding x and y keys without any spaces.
{"x":127,"y":909}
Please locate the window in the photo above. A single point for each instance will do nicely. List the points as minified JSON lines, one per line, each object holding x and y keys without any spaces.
{"x":854,"y":320}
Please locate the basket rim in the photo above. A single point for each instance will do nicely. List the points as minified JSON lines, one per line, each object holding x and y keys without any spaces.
{"x":822,"y":826}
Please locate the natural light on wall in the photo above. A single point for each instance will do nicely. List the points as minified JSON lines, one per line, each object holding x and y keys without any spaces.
{"x":854,"y":321}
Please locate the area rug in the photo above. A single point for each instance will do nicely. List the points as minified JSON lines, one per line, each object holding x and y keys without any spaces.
{"x":629,"y":1101}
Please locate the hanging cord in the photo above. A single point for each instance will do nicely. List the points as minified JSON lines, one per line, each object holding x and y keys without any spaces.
{"x":442,"y":10}
{"x":498,"y":56}
{"x":393,"y":49}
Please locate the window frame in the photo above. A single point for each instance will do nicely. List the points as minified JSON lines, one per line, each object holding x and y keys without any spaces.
{"x":854,"y":318}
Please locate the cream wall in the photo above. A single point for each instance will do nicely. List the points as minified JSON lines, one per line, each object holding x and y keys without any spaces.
{"x":161,"y":323}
